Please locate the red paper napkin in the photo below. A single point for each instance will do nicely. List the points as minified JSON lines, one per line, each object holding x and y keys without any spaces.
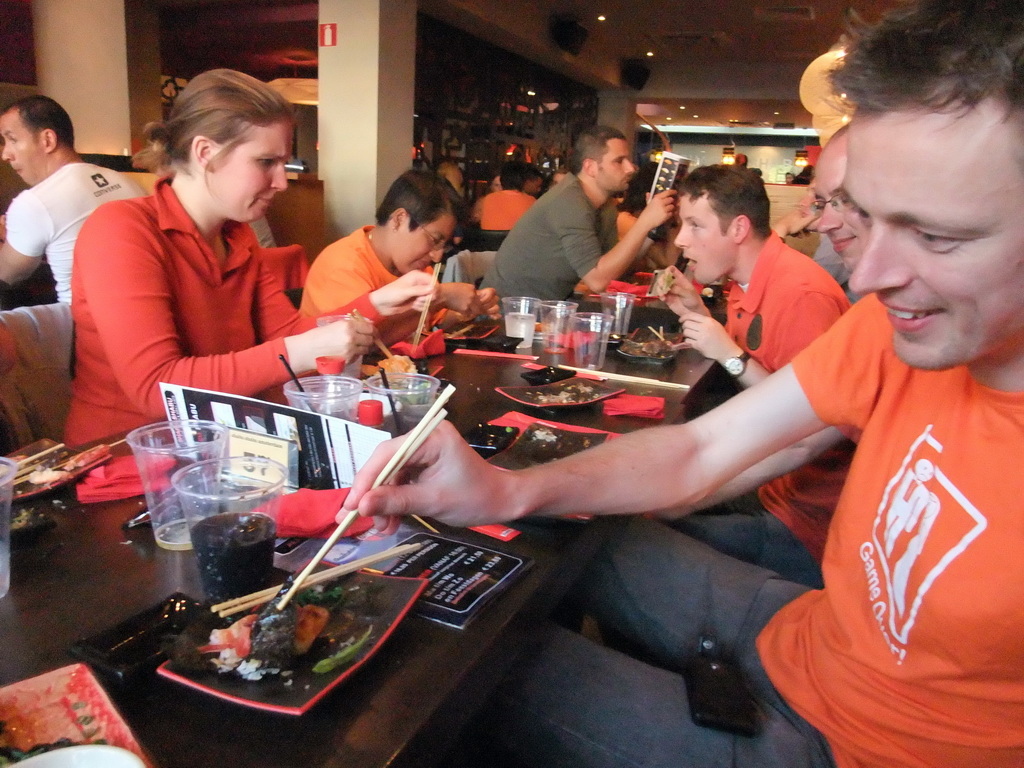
{"x":644,"y":406}
{"x":311,"y":514}
{"x":617,"y":286}
{"x":428,"y":347}
{"x":116,"y":479}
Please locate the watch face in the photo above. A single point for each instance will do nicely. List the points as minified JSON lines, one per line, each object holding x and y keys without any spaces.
{"x":734,"y":366}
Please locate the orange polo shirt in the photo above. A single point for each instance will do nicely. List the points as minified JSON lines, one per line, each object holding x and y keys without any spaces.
{"x":790,"y":302}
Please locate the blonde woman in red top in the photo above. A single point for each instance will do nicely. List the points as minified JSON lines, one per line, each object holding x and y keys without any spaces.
{"x":169,"y":288}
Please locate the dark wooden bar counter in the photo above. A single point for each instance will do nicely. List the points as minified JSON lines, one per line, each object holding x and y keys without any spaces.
{"x":404,"y":708}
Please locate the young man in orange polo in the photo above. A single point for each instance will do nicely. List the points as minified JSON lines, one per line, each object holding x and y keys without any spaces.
{"x":778,"y":303}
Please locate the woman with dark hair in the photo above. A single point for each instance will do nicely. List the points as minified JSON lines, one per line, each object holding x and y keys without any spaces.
{"x":415,"y":221}
{"x":170,"y":287}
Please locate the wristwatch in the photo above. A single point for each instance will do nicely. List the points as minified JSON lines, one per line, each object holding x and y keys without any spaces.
{"x":735,"y":366}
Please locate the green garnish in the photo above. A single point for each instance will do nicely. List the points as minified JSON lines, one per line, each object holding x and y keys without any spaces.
{"x":343,"y":656}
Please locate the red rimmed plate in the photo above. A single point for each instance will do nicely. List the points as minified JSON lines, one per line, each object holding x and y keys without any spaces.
{"x":540,"y":443}
{"x":569,"y":393}
{"x":65,"y":703}
{"x":71,"y":464}
{"x":385,"y":602}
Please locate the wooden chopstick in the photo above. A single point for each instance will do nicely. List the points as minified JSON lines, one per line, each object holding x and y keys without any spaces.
{"x":660,"y":336}
{"x":413,"y":440}
{"x":35,"y":458}
{"x":380,"y":344}
{"x":244,"y":603}
{"x":624,"y":377}
{"x":426,"y":309}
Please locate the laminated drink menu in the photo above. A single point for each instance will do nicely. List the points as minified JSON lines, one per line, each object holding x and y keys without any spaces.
{"x":462,"y":577}
{"x":671,"y":170}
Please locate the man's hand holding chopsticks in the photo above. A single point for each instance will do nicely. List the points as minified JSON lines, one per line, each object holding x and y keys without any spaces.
{"x":445,"y":480}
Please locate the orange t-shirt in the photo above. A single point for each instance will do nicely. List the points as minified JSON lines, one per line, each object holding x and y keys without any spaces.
{"x":501,"y":210}
{"x":789,"y":302}
{"x":911,"y":657}
{"x":346,"y":270}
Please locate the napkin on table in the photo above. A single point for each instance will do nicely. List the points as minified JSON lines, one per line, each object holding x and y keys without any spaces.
{"x":428,"y":347}
{"x":618,"y":286}
{"x":311,"y":514}
{"x":644,"y":406}
{"x":116,"y":479}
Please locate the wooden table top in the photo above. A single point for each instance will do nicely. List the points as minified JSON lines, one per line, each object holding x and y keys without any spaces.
{"x":404,"y":708}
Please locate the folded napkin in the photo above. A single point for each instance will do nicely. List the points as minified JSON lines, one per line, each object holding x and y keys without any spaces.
{"x":116,"y":479}
{"x":644,"y":406}
{"x":310,"y":514}
{"x":428,"y":347}
{"x":617,"y":286}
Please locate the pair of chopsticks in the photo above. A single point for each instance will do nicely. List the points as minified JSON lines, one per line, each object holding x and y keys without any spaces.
{"x":247,"y":602}
{"x":660,"y":334}
{"x":413,"y":440}
{"x":380,"y":344}
{"x":624,"y":377}
{"x":426,"y":309}
{"x":35,"y":458}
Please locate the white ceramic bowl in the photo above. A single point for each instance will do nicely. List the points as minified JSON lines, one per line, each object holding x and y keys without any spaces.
{"x":85,"y":756}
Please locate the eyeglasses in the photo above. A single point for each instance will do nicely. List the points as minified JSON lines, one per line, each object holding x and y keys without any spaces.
{"x":437,"y":242}
{"x":839,"y":202}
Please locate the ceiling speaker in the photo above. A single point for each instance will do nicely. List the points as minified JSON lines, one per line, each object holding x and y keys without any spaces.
{"x":635,"y":73}
{"x":568,"y":34}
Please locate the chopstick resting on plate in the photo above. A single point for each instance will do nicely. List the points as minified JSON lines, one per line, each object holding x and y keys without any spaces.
{"x":246,"y":602}
{"x":413,"y":440}
{"x":624,"y":377}
{"x":35,"y":458}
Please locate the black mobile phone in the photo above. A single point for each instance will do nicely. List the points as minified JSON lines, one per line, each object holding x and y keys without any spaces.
{"x":488,"y":439}
{"x":719,"y":697}
{"x":547,"y":375}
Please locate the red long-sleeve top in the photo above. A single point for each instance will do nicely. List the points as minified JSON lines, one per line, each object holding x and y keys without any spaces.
{"x":152,"y":304}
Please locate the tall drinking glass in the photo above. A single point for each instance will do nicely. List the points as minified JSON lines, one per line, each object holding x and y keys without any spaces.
{"x":520,"y":318}
{"x":620,"y":307}
{"x":162,"y":449}
{"x":556,"y":324}
{"x":8,"y":469}
{"x":231,"y":505}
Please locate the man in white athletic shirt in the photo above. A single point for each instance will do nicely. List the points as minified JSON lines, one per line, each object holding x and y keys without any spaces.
{"x":39,"y":143}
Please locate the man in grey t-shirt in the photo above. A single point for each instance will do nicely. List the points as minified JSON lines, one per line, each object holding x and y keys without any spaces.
{"x":559,"y":241}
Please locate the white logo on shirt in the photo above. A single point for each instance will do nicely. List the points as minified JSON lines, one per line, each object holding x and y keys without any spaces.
{"x":919,"y":501}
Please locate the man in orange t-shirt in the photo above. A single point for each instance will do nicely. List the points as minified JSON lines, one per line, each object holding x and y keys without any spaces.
{"x":910,"y":657}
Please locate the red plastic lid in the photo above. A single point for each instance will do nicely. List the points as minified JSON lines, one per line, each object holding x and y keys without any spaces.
{"x":371,"y":413}
{"x":330,"y":365}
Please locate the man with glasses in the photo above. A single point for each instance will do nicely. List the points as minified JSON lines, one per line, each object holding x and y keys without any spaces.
{"x":565,"y":238}
{"x":384,"y":266}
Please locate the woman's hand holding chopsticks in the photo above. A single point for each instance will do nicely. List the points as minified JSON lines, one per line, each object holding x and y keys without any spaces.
{"x":409,"y":293}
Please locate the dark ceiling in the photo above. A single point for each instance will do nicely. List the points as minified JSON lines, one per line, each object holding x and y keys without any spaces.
{"x":277,"y":38}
